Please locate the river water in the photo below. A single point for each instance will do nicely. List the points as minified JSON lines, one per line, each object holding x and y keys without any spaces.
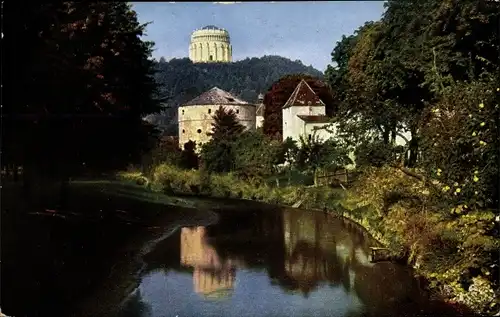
{"x":239,"y":260}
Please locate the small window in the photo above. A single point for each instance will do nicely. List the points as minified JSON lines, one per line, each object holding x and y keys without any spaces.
{"x":182,"y":111}
{"x":209,"y":110}
{"x":183,"y":131}
{"x":211,"y":58}
{"x":309,"y":137}
{"x":230,"y":99}
{"x":237,"y":110}
{"x":199,"y":131}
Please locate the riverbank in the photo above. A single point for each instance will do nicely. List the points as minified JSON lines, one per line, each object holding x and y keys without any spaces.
{"x":78,"y":246}
{"x":410,"y":235}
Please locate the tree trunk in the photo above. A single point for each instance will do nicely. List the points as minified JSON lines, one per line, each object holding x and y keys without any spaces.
{"x":386,"y":135}
{"x":412,"y":161}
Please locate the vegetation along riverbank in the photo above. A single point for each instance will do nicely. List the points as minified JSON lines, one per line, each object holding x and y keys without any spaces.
{"x":402,"y":137}
{"x":415,"y":237}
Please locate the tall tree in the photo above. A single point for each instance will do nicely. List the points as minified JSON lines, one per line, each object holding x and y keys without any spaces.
{"x":225,"y":125}
{"x":255,"y":154}
{"x":218,"y":155}
{"x":89,"y":78}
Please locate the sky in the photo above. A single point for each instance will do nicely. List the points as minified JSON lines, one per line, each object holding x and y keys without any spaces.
{"x":307,"y":31}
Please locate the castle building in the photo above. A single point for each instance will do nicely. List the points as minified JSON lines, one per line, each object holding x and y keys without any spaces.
{"x":196,"y":116}
{"x":304,"y":114}
{"x":210,"y":44}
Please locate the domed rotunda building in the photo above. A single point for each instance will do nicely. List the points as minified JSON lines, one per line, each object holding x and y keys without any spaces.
{"x":210,"y":44}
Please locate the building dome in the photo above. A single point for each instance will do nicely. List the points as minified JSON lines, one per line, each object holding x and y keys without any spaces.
{"x":211,"y":27}
{"x":210,"y":44}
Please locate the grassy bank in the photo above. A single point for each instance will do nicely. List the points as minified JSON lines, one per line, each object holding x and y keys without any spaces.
{"x":452,"y":252}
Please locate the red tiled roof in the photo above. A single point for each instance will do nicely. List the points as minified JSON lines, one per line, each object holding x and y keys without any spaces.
{"x":303,"y":95}
{"x":216,"y":96}
{"x":314,"y":118}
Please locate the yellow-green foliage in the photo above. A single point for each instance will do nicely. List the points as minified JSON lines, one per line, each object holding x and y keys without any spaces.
{"x":443,"y":244}
{"x":229,"y":185}
{"x":381,"y":187}
{"x":133,"y":176}
{"x":395,"y":208}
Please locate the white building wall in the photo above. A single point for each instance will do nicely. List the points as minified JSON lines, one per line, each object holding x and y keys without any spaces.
{"x":322,"y":134}
{"x":195,"y":121}
{"x":400,"y":140}
{"x":293,"y":126}
{"x":259,"y":121}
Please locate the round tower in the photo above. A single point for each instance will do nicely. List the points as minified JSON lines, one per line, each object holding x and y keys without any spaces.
{"x":196,"y":116}
{"x":210,"y":44}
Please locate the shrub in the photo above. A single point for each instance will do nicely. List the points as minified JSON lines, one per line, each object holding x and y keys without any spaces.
{"x":375,"y":154}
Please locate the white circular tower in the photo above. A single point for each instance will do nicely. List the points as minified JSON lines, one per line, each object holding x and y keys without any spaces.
{"x":210,"y":44}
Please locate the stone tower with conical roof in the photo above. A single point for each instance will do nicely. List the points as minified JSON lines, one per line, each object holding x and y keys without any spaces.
{"x":195,"y":117}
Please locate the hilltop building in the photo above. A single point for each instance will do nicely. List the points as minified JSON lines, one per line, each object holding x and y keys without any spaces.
{"x":210,"y":44}
{"x":195,"y":117}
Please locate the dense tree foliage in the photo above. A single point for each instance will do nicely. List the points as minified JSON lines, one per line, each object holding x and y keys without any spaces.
{"x":180,"y":80}
{"x":387,"y":84}
{"x":314,"y":155}
{"x":431,"y":68}
{"x":256,"y":155}
{"x":82,"y":85}
{"x":279,"y":93}
{"x":252,"y":154}
{"x":218,"y":155}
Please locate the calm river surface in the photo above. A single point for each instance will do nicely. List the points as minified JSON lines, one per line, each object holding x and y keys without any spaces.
{"x":237,"y":260}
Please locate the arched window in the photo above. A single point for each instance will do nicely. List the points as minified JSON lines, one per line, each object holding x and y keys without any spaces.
{"x":183,"y":131}
{"x":209,"y":111}
{"x":199,"y":131}
{"x":309,"y":137}
{"x":182,"y":111}
{"x":237,"y":110}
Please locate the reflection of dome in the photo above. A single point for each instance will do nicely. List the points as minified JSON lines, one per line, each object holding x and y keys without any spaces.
{"x":220,"y":294}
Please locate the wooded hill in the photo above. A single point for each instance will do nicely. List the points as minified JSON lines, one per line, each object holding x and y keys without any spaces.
{"x":180,"y":81}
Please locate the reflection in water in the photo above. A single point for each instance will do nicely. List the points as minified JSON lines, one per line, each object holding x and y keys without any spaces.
{"x":288,"y":263}
{"x":211,"y":277}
